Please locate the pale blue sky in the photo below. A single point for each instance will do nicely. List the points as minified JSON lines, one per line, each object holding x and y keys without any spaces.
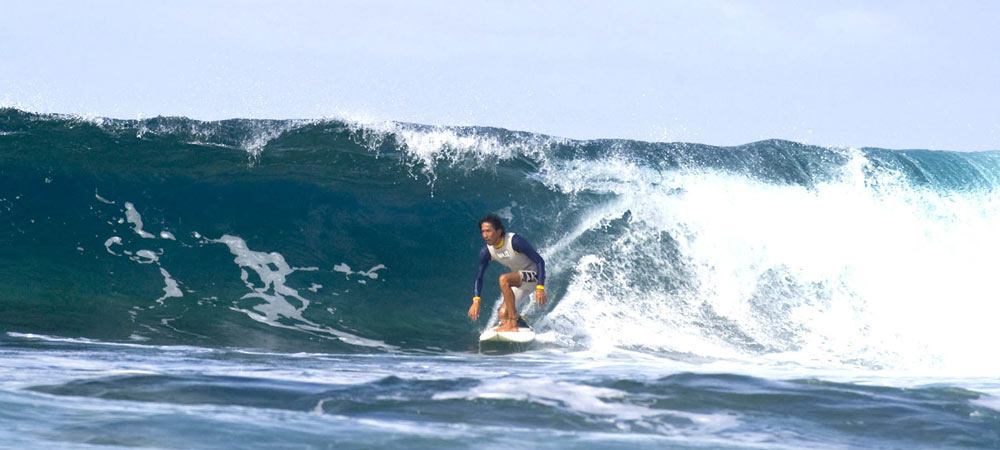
{"x":896,"y":74}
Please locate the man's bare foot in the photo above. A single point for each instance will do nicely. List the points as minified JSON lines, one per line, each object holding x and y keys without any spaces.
{"x":510,"y":325}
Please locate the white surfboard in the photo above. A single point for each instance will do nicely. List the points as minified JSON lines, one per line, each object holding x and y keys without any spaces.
{"x":523,"y":335}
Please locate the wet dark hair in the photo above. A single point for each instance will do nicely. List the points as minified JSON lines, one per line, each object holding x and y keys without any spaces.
{"x":492,"y":219}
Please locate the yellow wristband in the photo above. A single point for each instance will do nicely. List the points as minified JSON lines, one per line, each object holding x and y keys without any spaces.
{"x":540,"y":287}
{"x":475,"y":299}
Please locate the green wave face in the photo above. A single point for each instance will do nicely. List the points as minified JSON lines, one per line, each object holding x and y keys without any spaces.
{"x":343,"y":237}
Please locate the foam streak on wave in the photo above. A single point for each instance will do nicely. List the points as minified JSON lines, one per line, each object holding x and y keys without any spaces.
{"x":272,"y":271}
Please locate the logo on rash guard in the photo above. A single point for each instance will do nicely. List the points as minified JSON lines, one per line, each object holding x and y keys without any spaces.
{"x":503,"y":254}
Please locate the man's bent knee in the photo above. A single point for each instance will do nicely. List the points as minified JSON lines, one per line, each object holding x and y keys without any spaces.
{"x":512,"y":279}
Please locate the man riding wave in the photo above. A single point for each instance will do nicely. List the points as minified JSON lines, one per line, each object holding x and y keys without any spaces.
{"x":527,"y":271}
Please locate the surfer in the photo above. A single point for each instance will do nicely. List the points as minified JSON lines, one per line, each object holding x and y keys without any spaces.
{"x":527,"y":271}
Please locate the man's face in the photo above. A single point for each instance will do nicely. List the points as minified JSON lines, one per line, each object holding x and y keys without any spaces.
{"x":491,"y":235}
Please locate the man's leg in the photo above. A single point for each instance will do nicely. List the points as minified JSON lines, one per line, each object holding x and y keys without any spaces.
{"x":508,"y":311}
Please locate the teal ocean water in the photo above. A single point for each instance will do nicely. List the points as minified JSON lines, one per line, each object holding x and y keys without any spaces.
{"x":172,"y":283}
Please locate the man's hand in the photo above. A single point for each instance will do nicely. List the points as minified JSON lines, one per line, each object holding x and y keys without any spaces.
{"x":474,"y":310}
{"x":540,"y":297}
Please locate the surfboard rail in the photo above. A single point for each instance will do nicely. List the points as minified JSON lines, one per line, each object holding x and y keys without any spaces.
{"x":523,"y":335}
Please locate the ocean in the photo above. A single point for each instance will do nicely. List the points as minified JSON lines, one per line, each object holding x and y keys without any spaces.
{"x":303,"y":284}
